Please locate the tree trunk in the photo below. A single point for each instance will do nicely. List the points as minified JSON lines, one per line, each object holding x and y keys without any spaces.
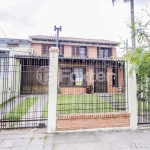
{"x":132,"y":23}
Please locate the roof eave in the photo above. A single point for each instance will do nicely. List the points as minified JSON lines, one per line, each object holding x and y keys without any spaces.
{"x":72,"y":41}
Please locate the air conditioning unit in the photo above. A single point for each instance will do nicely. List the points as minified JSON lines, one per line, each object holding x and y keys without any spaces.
{"x":32,"y":51}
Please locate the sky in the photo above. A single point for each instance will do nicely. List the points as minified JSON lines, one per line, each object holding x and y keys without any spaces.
{"x":97,"y":19}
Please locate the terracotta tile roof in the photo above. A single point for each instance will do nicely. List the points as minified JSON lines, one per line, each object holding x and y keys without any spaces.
{"x":72,"y":39}
{"x":65,"y":58}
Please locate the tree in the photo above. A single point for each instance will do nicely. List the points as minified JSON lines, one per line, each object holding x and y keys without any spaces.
{"x":132,"y":20}
{"x":139,"y":56}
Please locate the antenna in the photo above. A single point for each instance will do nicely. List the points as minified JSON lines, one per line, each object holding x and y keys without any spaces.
{"x":2,"y":31}
{"x":57,"y":33}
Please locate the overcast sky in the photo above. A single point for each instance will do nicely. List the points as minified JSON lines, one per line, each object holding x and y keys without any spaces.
{"x":78,"y":18}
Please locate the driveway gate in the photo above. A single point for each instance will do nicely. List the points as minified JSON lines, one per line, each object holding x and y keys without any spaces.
{"x":23,"y":91}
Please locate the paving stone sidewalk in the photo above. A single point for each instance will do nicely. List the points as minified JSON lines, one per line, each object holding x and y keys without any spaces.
{"x":97,"y":140}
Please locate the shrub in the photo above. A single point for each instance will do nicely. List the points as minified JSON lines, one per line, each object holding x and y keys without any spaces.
{"x":89,"y":89}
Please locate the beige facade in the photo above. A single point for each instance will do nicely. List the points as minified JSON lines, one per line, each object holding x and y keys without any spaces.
{"x":91,"y":50}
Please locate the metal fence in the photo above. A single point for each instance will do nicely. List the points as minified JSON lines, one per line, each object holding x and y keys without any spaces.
{"x":143,"y":94}
{"x":91,"y":86}
{"x":23,"y":91}
{"x":84,"y":86}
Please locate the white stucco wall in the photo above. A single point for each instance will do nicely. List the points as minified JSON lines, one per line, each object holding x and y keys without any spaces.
{"x":10,"y":81}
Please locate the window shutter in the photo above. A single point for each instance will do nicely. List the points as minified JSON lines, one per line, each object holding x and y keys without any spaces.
{"x":73,"y":51}
{"x":101,"y":53}
{"x":44,"y":49}
{"x":98,"y":52}
{"x":85,"y":51}
{"x":61,"y":50}
{"x":77,"y":51}
{"x":110,"y":52}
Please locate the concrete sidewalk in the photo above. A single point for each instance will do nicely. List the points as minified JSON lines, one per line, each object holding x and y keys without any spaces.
{"x":97,"y":140}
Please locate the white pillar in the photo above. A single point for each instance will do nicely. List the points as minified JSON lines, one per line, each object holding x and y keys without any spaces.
{"x":52,"y":95}
{"x":132,"y":98}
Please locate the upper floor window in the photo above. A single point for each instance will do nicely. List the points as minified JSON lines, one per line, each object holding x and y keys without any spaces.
{"x":79,"y":51}
{"x":46,"y":47}
{"x":104,"y":52}
{"x":4,"y":64}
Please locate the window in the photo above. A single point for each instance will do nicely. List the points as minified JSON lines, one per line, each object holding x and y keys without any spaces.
{"x":114,"y":77}
{"x":4,"y":65}
{"x":72,"y":76}
{"x":104,"y":52}
{"x":46,"y":47}
{"x":79,"y":51}
{"x":12,"y":45}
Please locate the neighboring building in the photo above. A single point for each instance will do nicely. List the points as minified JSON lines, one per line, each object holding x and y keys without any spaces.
{"x":10,"y":68}
{"x":16,"y":46}
{"x":73,"y":52}
{"x":14,"y":43}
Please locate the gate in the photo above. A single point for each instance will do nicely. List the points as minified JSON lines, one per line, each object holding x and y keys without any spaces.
{"x":100,"y":86}
{"x":143,"y":97}
{"x":23,"y":91}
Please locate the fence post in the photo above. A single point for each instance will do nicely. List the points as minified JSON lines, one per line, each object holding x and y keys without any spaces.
{"x":52,"y":92}
{"x":132,"y":98}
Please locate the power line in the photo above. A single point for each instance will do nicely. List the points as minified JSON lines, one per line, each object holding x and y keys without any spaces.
{"x":2,"y":31}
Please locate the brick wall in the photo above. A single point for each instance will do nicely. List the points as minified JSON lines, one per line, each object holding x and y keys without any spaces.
{"x":121,"y":79}
{"x":67,"y":51}
{"x":37,"y":49}
{"x":92,"y":52}
{"x":114,"y":52}
{"x":72,"y":90}
{"x":92,"y":121}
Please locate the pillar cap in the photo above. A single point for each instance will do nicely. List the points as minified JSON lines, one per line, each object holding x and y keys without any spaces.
{"x":54,"y":50}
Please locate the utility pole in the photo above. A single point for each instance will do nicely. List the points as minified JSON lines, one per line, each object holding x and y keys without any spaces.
{"x":57,"y":34}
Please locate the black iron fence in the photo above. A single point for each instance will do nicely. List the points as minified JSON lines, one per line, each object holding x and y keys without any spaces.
{"x":91,"y":86}
{"x":143,"y":97}
{"x":84,"y":86}
{"x":23,"y":94}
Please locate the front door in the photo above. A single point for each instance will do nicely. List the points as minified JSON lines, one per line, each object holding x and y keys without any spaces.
{"x":100,"y":80}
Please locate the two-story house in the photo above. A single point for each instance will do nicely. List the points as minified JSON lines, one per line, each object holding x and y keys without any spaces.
{"x":83,"y":62}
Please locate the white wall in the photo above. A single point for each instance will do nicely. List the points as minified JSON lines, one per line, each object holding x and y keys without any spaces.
{"x":10,"y":81}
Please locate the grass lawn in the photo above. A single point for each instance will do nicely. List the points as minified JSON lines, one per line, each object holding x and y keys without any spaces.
{"x":20,"y":110}
{"x":5,"y":103}
{"x":143,"y":106}
{"x":86,"y":103}
{"x":119,"y":98}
